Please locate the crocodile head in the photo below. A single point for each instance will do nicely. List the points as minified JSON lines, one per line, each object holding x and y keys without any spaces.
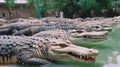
{"x":99,"y":27}
{"x":65,"y":51}
{"x":79,"y":36}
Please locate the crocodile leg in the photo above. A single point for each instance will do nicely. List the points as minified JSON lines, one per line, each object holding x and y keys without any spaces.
{"x":27,"y":58}
{"x":4,"y":31}
{"x":36,"y":61}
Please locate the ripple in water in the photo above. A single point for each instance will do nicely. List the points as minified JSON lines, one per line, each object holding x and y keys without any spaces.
{"x":116,"y":55}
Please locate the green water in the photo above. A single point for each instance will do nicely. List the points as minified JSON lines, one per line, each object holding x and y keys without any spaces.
{"x":108,"y":49}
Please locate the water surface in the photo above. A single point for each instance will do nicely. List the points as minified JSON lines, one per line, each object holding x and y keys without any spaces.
{"x":109,"y":52}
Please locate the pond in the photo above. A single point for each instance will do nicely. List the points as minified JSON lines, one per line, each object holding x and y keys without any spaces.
{"x":109,"y":53}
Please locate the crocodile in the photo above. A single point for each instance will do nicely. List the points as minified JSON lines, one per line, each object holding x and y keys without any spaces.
{"x":75,"y":36}
{"x":53,"y":20}
{"x":35,"y":29}
{"x":93,"y":26}
{"x":98,"y":27}
{"x":30,"y":28}
{"x":42,"y":51}
{"x":18,"y":25}
{"x":3,"y":21}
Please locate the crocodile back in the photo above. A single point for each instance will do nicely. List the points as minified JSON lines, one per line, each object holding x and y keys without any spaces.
{"x":35,"y":29}
{"x":55,"y":33}
{"x":11,"y":45}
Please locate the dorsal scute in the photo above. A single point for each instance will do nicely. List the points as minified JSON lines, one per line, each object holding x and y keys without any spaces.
{"x":55,"y":33}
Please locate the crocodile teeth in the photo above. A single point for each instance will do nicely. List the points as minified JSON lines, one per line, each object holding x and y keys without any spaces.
{"x":95,"y":38}
{"x":83,"y":57}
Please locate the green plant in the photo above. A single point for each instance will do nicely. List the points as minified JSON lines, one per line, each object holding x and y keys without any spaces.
{"x":10,"y":5}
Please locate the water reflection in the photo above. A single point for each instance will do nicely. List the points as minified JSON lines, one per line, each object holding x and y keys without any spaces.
{"x":114,"y":60}
{"x":112,"y":65}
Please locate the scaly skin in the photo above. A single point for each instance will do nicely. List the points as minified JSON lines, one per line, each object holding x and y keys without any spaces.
{"x":99,"y":27}
{"x":33,"y":51}
{"x":35,"y":29}
{"x":19,"y":25}
{"x":74,"y":35}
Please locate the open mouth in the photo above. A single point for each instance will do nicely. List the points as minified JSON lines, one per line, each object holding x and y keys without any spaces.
{"x":83,"y":58}
{"x":95,"y":37}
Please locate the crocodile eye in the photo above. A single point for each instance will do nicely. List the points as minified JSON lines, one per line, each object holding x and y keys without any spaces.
{"x":79,"y":31}
{"x":63,"y":45}
{"x":68,"y":42}
{"x":74,"y":32}
{"x":54,"y":44}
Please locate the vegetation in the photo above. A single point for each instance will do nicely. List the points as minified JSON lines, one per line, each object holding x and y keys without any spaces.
{"x":71,"y":8}
{"x":10,"y":5}
{"x":81,"y":8}
{"x":34,"y":5}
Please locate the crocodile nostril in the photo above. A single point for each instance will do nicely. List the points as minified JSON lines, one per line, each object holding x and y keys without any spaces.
{"x":90,"y":51}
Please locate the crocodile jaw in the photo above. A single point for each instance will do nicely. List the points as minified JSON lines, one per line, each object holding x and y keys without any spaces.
{"x":89,"y":37}
{"x":80,"y":41}
{"x":75,"y":53}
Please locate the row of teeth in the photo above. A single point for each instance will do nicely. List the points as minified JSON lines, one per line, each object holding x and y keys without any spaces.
{"x":98,"y":39}
{"x":84,"y":58}
{"x":95,"y":37}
